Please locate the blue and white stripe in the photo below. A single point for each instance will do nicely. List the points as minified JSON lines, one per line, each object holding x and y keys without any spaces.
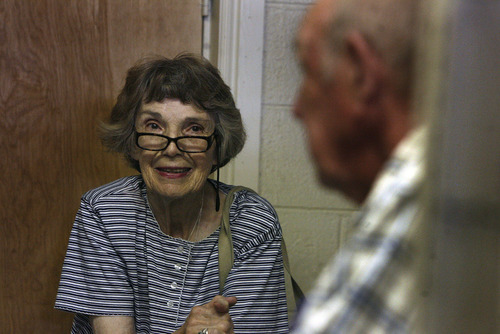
{"x":119,"y":262}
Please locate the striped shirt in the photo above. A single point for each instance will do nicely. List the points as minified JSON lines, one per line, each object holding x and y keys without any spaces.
{"x":119,"y":262}
{"x":372,"y":285}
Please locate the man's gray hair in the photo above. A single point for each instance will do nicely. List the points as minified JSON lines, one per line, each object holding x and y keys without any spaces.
{"x":389,"y":26}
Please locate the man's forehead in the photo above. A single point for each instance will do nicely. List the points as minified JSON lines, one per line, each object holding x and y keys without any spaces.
{"x":313,"y":26}
{"x":303,"y":42}
{"x":321,"y":13}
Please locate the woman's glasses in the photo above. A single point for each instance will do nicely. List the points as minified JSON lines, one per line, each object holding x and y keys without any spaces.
{"x":188,"y":144}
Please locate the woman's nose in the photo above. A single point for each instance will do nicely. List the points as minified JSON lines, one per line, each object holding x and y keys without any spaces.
{"x":171,"y":149}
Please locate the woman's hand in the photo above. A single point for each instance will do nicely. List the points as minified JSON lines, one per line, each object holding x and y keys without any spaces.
{"x":214,"y":316}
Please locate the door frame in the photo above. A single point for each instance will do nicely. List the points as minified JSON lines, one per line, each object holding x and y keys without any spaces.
{"x":240,"y":54}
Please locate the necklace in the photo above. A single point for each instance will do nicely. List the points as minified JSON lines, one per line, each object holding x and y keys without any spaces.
{"x":199,"y":216}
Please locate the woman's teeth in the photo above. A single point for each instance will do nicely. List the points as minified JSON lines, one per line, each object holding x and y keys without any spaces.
{"x":174,"y":170}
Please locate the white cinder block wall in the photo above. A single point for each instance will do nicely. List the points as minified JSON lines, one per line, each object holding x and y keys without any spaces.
{"x":314,"y":220}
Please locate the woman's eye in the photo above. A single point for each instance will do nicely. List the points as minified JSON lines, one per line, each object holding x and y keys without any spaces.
{"x":196,"y":129}
{"x":152,"y":126}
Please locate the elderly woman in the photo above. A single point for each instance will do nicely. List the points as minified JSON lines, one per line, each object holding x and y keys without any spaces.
{"x":143,"y":253}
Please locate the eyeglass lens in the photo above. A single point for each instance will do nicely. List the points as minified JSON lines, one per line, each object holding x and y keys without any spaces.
{"x":188,"y":144}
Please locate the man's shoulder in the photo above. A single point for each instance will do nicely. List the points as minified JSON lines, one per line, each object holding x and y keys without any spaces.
{"x":403,"y":174}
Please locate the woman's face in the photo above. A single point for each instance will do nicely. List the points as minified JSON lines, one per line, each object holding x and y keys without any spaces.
{"x":173,"y":174}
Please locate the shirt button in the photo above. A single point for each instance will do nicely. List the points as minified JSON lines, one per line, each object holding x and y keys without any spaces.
{"x":177,"y":266}
{"x":174,"y":285}
{"x":180,"y":249}
{"x":170,"y":303}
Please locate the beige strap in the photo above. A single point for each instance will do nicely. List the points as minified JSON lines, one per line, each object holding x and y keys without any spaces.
{"x":226,"y":251}
{"x":297,"y":291}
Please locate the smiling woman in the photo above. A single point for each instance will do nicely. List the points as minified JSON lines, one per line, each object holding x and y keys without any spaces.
{"x":172,"y":173}
{"x":143,"y":254}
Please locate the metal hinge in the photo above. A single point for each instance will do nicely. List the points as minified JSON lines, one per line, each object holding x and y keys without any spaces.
{"x":206,"y":8}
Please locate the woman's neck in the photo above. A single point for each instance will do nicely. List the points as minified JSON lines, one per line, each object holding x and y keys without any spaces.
{"x":180,"y":216}
{"x":190,"y":218}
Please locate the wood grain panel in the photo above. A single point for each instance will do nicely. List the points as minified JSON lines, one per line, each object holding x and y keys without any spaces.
{"x":61,"y":63}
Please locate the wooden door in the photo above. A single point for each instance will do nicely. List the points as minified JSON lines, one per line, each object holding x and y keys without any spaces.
{"x":61,"y":65}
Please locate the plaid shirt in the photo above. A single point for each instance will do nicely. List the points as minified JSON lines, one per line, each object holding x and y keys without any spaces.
{"x":371,"y":286}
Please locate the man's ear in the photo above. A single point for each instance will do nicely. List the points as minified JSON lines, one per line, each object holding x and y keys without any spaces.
{"x":367,"y":64}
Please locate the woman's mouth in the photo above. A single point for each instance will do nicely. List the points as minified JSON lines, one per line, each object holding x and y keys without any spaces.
{"x":173,"y":172}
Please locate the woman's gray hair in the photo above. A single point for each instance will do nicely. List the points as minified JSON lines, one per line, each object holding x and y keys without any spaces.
{"x":188,"y":78}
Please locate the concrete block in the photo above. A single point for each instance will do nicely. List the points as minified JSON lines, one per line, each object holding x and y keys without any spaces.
{"x":287,"y":174}
{"x":281,"y":71}
{"x":312,"y":238}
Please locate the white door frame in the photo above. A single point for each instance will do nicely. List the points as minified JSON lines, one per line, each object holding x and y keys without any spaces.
{"x":240,"y":60}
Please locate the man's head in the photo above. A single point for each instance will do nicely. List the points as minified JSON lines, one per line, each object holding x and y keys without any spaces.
{"x":357,"y":59}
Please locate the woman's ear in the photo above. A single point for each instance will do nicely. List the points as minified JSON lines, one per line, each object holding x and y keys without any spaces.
{"x":134,"y":152}
{"x":369,"y":68}
{"x":217,"y":152}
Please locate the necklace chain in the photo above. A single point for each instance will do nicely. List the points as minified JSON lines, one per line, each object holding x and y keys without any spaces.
{"x":199,"y":216}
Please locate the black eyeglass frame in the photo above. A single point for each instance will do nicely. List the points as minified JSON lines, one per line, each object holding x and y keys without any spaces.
{"x":210,"y":140}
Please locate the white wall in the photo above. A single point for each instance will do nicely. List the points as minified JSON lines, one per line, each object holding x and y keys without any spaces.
{"x":256,"y":58}
{"x":462,"y":92}
{"x":314,"y":220}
